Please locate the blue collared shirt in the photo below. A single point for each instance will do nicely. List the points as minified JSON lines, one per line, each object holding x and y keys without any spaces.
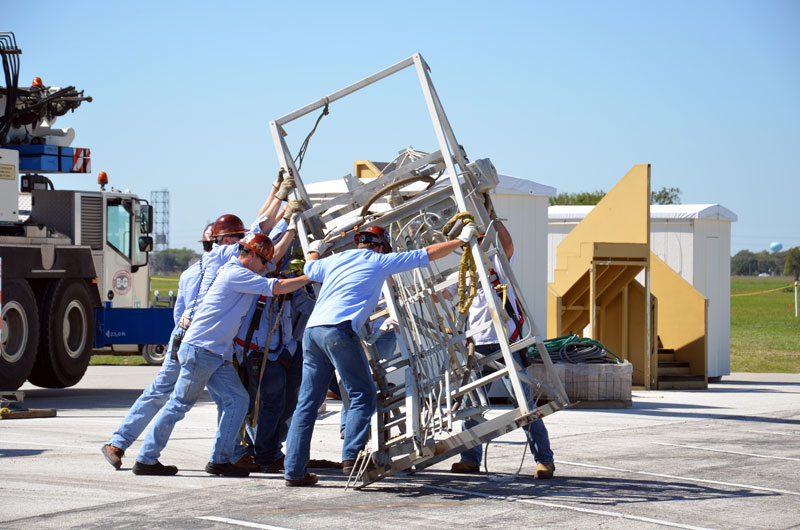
{"x":280,"y":339}
{"x":352,"y":281}
{"x":188,"y":287}
{"x":220,"y":315}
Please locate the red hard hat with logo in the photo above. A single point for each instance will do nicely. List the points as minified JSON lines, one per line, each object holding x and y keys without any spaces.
{"x":260,"y":244}
{"x":208,"y":234}
{"x":227,"y":225}
{"x":374,"y":235}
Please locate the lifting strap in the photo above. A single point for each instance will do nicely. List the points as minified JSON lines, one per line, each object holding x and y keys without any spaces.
{"x":467,"y":265}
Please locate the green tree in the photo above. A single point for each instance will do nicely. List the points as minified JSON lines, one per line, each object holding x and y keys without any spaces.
{"x":744,"y":263}
{"x":662,"y":196}
{"x":666,"y":196}
{"x":172,"y":260}
{"x":580,"y":198}
{"x":791,"y":266}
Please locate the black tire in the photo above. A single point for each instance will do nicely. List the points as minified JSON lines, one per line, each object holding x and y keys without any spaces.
{"x":154,"y":354}
{"x":67,"y":335}
{"x":20,"y":334}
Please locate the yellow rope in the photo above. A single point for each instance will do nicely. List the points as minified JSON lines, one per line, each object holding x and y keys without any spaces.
{"x":762,"y":292}
{"x":467,"y":265}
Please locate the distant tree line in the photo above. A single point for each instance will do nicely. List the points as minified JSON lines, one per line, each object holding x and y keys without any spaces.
{"x":173,"y":260}
{"x":662,"y":196}
{"x":747,"y":263}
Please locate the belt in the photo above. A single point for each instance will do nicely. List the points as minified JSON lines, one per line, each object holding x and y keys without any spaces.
{"x":243,"y":344}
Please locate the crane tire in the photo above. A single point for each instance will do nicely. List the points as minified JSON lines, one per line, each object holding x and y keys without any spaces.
{"x":19,"y":332}
{"x":67,"y":335}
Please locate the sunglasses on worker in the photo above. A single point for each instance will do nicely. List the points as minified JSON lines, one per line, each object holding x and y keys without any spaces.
{"x":237,"y":237}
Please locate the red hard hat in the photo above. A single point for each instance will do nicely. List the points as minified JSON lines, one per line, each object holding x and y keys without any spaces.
{"x":227,"y":225}
{"x":258,"y":243}
{"x":208,"y":234}
{"x":377,"y":233}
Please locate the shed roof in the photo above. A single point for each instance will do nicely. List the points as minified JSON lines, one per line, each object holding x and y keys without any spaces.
{"x":657,"y":211}
{"x":507,"y":186}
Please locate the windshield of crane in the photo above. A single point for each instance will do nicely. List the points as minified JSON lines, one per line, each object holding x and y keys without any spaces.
{"x":118,"y":226}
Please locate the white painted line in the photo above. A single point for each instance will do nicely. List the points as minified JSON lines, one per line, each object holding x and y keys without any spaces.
{"x":617,"y":515}
{"x":237,"y":522}
{"x":675,"y":477}
{"x":729,"y":452}
{"x":776,"y":433}
{"x":36,"y":445}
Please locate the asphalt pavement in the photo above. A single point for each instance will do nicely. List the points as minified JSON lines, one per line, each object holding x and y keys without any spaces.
{"x":726,"y":457}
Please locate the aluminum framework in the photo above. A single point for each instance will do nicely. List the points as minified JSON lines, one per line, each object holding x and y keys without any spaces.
{"x":443,"y":381}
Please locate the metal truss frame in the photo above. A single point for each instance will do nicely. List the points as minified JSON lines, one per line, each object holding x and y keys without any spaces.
{"x":444,"y":380}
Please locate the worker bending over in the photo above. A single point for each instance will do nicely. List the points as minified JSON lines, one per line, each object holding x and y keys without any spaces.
{"x":205,"y":356}
{"x":351,"y":286}
{"x":486,"y":342}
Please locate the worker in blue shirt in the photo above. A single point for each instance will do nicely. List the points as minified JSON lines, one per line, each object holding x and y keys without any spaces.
{"x":351,"y":287}
{"x":206,"y":353}
{"x":155,"y":396}
{"x":274,"y":364}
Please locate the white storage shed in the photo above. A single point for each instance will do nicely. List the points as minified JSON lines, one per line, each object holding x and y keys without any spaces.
{"x":523,"y":205}
{"x":693,"y":239}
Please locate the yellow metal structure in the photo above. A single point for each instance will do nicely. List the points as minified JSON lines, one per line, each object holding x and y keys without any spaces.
{"x":594,"y":285}
{"x":595,"y":292}
{"x":682,"y":329}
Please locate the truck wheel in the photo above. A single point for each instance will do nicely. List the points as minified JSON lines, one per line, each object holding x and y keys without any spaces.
{"x":20,"y":334}
{"x":67,"y":336}
{"x":154,"y":353}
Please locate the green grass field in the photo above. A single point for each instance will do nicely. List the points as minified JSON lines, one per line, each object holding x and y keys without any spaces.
{"x":765,"y":335}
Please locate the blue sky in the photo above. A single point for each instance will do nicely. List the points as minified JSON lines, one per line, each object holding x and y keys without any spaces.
{"x":569,"y":94}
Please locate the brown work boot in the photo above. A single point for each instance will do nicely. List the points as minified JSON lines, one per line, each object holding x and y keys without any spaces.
{"x":113,"y":455}
{"x":465,"y":467}
{"x":272,"y":467}
{"x":309,"y":480}
{"x":348,"y":465}
{"x":247,"y":463}
{"x":545,"y":470}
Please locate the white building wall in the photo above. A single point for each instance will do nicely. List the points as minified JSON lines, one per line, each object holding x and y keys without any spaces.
{"x":699,"y":251}
{"x":527,"y":222}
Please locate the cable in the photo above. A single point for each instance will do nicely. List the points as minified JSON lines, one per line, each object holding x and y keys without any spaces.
{"x":573,"y":349}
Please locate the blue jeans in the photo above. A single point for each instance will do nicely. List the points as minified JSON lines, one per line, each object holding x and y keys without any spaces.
{"x":279,"y":390}
{"x":385,"y":345}
{"x":200,"y":367}
{"x":326,"y":348}
{"x":149,"y":403}
{"x":538,"y":438}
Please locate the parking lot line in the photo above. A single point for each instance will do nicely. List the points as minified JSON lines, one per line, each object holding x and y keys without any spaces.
{"x":606,"y":513}
{"x":246,"y":524}
{"x":726,"y":451}
{"x":676,"y":477}
{"x":776,"y":433}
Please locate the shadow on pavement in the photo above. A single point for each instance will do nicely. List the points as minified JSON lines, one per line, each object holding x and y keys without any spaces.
{"x":587,"y":491}
{"x":87,"y":398}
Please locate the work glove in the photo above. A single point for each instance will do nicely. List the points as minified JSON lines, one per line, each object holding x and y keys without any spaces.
{"x":278,"y":179}
{"x":318,"y":246}
{"x":292,"y":207}
{"x":468,"y":232}
{"x":287,"y":185}
{"x":292,"y":223}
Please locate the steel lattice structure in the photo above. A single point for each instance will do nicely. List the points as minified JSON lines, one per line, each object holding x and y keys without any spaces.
{"x":160,"y":201}
{"x":443,"y":380}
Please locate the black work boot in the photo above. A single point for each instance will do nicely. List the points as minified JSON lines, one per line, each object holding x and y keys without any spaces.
{"x":226,"y":470}
{"x":153,"y":469}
